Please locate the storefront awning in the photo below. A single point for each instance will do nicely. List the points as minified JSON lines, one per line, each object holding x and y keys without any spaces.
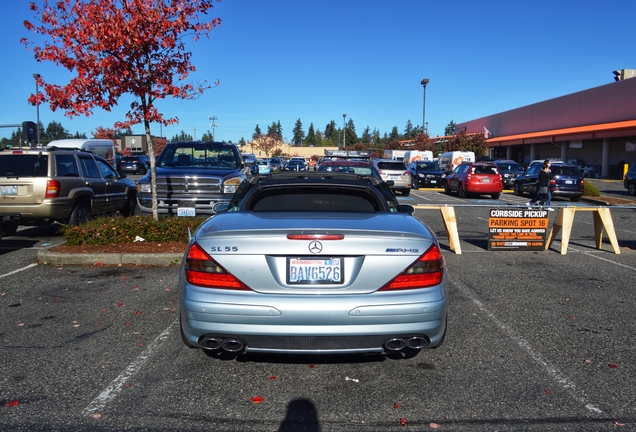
{"x":597,"y":131}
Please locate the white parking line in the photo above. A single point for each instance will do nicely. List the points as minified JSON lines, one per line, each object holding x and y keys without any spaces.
{"x":118,"y":383}
{"x":564,"y":381}
{"x":18,"y":270}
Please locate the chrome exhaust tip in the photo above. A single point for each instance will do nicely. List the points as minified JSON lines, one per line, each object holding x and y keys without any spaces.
{"x":210,"y":342}
{"x":233,"y":345}
{"x":418,"y":342}
{"x":395,"y":344}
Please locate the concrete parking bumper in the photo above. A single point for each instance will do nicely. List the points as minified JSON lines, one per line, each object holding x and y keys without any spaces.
{"x":45,"y":256}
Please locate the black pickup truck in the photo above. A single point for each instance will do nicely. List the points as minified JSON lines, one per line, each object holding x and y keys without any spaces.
{"x":192,"y":178}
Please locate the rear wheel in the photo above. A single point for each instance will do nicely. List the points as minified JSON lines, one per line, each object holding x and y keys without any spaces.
{"x":406,"y":192}
{"x":447,"y":190}
{"x":80,"y":214}
{"x":495,"y":196}
{"x":8,"y":228}
{"x":460,"y":191}
{"x":131,"y":205}
{"x":631,"y":189}
{"x":517,"y":190}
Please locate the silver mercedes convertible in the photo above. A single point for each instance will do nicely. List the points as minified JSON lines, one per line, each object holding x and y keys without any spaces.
{"x":313,"y":263}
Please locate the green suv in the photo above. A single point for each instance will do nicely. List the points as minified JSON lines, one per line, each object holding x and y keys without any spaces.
{"x":40,"y":186}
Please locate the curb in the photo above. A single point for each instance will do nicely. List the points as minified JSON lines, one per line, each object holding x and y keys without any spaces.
{"x":147,"y":259}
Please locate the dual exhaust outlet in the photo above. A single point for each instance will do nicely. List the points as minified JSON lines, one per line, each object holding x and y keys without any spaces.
{"x":415,"y":342}
{"x":232,"y":345}
{"x":213,"y":343}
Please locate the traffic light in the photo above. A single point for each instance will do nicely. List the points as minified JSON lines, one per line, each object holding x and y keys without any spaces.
{"x":618,"y":75}
{"x":29,"y":131}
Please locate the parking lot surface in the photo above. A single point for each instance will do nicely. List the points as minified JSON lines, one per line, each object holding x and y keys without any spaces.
{"x":537,"y":341}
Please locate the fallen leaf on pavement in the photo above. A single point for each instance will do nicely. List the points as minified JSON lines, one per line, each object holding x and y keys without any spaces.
{"x":613,"y":365}
{"x":620,"y":424}
{"x":257,"y":399}
{"x":396,"y":405}
{"x":548,"y":392}
{"x":137,"y":312}
{"x":272,"y":377}
{"x":433,"y":425}
{"x":13,"y":403}
{"x":97,"y":416}
{"x":403,"y":422}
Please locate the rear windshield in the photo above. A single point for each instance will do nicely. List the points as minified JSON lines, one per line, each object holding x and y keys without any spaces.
{"x":198,"y":156}
{"x":565,"y":170}
{"x":509,"y":167}
{"x":315,"y":200}
{"x":428,"y":166}
{"x":392,"y":166}
{"x":484,"y":170}
{"x":359,"y":170}
{"x":26,"y":165}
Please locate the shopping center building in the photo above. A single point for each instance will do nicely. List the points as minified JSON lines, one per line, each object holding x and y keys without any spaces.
{"x":594,"y":129}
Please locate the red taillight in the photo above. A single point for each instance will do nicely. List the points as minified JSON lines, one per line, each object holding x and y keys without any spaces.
{"x":52,"y":189}
{"x":427,"y":271}
{"x":202,"y":270}
{"x":315,"y":236}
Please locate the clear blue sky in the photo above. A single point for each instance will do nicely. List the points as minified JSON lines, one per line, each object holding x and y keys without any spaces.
{"x":281,"y":60}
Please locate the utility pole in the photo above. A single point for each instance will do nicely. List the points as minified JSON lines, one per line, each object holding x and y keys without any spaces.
{"x":344,"y":131}
{"x":213,"y":125}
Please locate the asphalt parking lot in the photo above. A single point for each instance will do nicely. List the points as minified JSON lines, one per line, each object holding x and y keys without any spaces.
{"x":537,"y":341}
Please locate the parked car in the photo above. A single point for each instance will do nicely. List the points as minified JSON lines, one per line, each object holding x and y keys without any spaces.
{"x":295,"y":165}
{"x":630,"y":180}
{"x":135,"y":164}
{"x":509,"y":171}
{"x":396,"y":172}
{"x":193,"y":178}
{"x":427,"y":174}
{"x":480,"y":178}
{"x":567,"y":181}
{"x":276,"y":164}
{"x":45,"y":185}
{"x":313,"y":264}
{"x":262,"y":166}
{"x":352,"y":167}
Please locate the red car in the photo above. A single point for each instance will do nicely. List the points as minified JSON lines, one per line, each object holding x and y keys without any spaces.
{"x":475,"y":178}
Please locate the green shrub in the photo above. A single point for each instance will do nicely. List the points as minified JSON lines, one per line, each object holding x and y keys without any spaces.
{"x":118,"y":229}
{"x":591,"y":190}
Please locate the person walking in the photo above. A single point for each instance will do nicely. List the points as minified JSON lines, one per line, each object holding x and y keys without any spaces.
{"x":543,"y":191}
{"x":549,"y":200}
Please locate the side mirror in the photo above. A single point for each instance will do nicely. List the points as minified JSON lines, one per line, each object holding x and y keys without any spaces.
{"x":406,"y":208}
{"x":221,"y":207}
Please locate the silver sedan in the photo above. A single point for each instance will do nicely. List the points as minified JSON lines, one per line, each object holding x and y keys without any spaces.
{"x":313,"y":263}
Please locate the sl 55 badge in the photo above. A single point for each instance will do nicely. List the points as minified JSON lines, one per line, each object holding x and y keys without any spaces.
{"x":224,"y":249}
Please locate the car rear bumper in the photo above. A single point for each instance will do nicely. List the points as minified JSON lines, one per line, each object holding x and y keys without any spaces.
{"x":338,"y":325}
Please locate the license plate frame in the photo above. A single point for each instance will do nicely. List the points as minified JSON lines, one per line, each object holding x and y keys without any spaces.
{"x":298,"y":268}
{"x":186,"y":209}
{"x":9,"y":190}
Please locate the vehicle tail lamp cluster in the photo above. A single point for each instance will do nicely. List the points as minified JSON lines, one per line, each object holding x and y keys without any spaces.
{"x":52,"y":189}
{"x":427,"y":271}
{"x":202,"y":270}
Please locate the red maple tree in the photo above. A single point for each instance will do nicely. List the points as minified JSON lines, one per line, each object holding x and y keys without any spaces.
{"x":119,"y":47}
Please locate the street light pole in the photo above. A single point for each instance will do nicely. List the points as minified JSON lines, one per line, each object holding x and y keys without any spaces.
{"x":344,"y":131}
{"x":213,"y":125}
{"x":424,"y":125}
{"x":37,"y":109}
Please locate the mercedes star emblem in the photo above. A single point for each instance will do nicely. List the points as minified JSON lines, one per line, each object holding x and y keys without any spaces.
{"x":315,"y":247}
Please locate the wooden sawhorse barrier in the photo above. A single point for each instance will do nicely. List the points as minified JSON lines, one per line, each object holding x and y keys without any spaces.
{"x":450,"y":222}
{"x":565,"y":217}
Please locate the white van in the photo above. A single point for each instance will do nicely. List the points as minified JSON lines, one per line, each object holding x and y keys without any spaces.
{"x":101,"y":147}
{"x":449,"y":160}
{"x":415,"y":155}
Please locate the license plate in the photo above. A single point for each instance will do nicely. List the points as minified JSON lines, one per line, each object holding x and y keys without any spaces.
{"x":394,"y":176}
{"x":186,"y":211}
{"x":433,"y":181}
{"x":485,"y":180}
{"x":9,"y":190}
{"x":569,"y":182}
{"x":314,"y":271}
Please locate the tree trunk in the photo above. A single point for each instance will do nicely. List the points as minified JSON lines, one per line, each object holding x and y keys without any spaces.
{"x":153,"y":171}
